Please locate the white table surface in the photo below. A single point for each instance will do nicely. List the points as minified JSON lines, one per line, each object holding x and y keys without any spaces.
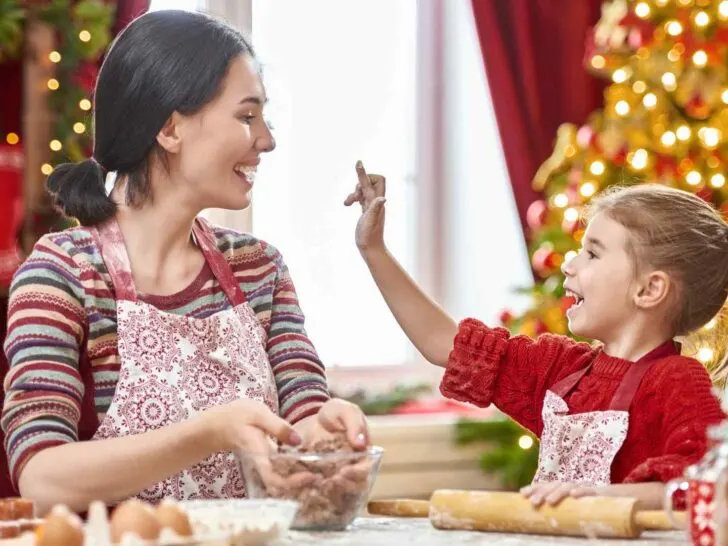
{"x":373,"y":531}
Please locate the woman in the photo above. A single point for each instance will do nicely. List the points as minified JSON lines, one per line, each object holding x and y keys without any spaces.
{"x":165,"y":340}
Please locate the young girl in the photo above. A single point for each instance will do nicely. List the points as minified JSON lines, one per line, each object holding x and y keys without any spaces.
{"x":618,"y":419}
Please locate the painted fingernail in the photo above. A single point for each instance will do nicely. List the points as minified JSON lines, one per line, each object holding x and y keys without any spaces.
{"x":361,"y":439}
{"x":294,"y":438}
{"x":359,"y":166}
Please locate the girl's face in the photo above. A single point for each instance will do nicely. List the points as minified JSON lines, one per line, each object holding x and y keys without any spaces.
{"x":217,"y":150}
{"x":602,"y":279}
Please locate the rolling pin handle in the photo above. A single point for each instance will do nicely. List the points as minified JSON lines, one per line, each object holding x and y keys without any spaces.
{"x":671,"y":488}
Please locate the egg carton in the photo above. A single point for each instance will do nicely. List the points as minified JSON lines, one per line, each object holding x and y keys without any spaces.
{"x":234,"y":522}
{"x":252,"y":522}
{"x":64,"y":527}
{"x":98,"y":532}
{"x":24,"y":539}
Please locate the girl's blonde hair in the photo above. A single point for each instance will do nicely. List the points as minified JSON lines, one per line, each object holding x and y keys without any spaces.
{"x":679,"y":233}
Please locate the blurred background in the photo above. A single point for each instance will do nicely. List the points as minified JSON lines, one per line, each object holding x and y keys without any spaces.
{"x":495,"y":122}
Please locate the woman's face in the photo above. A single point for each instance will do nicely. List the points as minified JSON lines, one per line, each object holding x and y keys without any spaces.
{"x":219,"y":147}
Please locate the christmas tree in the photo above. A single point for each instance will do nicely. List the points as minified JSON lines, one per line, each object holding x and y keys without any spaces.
{"x":664,"y":120}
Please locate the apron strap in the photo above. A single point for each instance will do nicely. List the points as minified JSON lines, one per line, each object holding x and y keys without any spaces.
{"x":622,"y":399}
{"x":116,"y":259}
{"x":629,"y":384}
{"x":564,"y":387}
{"x":217,"y":262}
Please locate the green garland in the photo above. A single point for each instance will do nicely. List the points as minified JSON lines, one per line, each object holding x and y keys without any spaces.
{"x":512,"y":453}
{"x":387,"y":402}
{"x":12,"y":16}
{"x":83,"y":31}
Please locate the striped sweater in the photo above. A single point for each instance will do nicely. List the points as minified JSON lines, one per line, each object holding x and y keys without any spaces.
{"x":62,"y":343}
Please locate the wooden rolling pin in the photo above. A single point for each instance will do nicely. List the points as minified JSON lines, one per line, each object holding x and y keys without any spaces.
{"x":501,"y":512}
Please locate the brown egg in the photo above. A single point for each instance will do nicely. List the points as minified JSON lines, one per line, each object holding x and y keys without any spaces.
{"x":61,"y":528}
{"x":172,"y":516}
{"x":135,"y":517}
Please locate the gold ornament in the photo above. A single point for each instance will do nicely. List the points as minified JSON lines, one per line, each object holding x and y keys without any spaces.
{"x":563,"y":149}
{"x":528,"y":328}
{"x":611,"y":140}
{"x":608,"y":32}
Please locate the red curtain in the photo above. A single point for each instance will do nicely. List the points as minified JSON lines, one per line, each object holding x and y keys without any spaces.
{"x":11,"y":158}
{"x":11,"y":76}
{"x":6,"y":487}
{"x":11,"y":182}
{"x":533,"y":51}
{"x":127,"y":11}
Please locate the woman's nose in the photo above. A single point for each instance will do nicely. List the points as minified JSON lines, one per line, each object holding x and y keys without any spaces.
{"x":266,"y":142}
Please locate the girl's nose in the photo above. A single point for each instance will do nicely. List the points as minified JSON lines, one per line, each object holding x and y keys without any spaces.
{"x":567,"y":268}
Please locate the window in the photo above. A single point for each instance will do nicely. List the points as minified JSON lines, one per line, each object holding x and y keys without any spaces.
{"x":341,"y":82}
{"x":486,"y":254}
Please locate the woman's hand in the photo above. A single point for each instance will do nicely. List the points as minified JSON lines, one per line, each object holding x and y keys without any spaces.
{"x":246,"y":425}
{"x":554,"y":492}
{"x":370,"y":194}
{"x":338,"y":415}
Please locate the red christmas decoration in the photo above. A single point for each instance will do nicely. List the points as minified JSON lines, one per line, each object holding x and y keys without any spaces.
{"x":11,"y":208}
{"x":705,"y":193}
{"x":540,"y":328}
{"x":574,"y":177}
{"x":585,"y":137}
{"x":85,"y":77}
{"x":665,"y":167}
{"x":572,"y":192}
{"x":697,"y":107}
{"x":505,"y":317}
{"x":544,"y":260}
{"x":570,"y":226}
{"x":536,"y":214}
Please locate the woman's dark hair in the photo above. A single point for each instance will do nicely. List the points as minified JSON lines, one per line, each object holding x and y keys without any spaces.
{"x":163,"y":62}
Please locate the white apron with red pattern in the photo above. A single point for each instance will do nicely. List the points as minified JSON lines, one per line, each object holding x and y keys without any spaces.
{"x":581,"y":448}
{"x":174,"y":367}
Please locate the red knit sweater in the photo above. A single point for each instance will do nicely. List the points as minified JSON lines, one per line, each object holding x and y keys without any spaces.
{"x":668,"y":417}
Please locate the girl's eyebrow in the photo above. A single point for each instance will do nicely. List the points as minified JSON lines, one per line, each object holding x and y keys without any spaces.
{"x":596,"y":242}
